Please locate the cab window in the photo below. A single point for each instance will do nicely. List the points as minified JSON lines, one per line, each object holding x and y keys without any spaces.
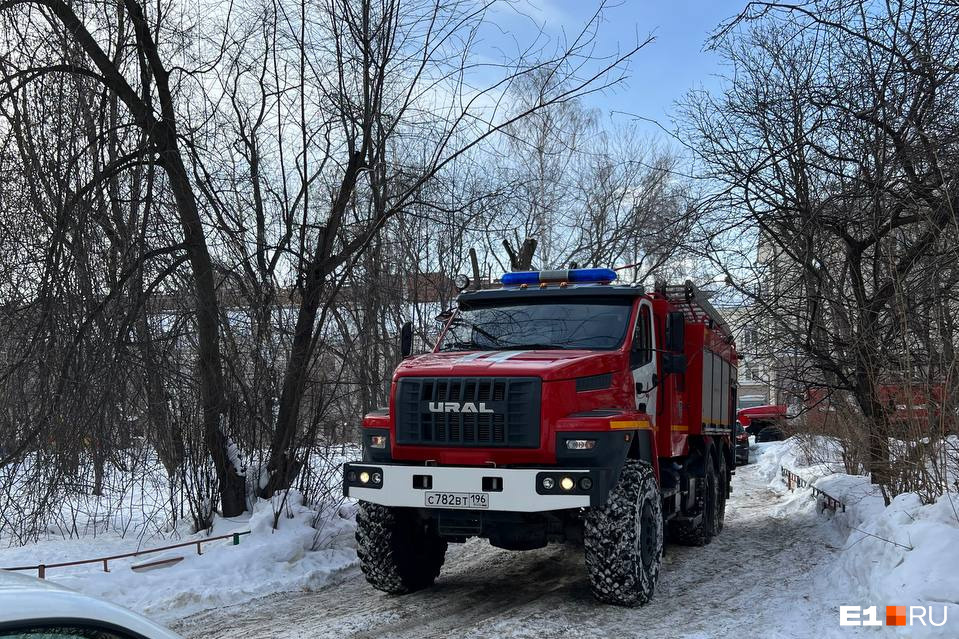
{"x":643,"y":337}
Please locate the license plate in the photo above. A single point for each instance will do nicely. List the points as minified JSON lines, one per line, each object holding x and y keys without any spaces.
{"x":457,"y":500}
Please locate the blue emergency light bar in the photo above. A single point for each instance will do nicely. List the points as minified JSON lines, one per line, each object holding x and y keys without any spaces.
{"x":575,"y":275}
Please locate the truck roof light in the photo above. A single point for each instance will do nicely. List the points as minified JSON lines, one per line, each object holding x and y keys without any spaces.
{"x":592,"y":275}
{"x":575,"y":275}
{"x":523,"y":277}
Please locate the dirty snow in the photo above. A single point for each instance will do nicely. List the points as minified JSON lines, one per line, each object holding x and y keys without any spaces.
{"x":770,"y":574}
{"x":781,"y":568}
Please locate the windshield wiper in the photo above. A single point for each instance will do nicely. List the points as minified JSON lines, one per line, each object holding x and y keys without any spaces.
{"x":528,"y":347}
{"x":459,"y":346}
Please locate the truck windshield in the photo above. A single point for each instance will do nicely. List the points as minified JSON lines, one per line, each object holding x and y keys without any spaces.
{"x":593,"y":324}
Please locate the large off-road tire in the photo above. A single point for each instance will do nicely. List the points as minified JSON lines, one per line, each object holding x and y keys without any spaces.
{"x":700,"y":533}
{"x":624,"y":539}
{"x":398,"y":552}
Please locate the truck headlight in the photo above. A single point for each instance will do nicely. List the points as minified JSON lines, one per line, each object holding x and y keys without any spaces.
{"x":364,"y":477}
{"x":580,"y":444}
{"x":378,"y":441}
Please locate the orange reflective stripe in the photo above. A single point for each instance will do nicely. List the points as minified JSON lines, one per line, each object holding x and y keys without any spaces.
{"x":642,"y":424}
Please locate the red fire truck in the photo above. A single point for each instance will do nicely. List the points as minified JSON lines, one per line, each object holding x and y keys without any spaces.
{"x":912,"y":408}
{"x":560,"y":407}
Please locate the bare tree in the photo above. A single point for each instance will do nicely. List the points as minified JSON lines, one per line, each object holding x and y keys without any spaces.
{"x":198,"y":201}
{"x":832,"y":150}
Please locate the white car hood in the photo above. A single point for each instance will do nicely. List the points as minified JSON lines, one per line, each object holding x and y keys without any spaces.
{"x":25,"y":599}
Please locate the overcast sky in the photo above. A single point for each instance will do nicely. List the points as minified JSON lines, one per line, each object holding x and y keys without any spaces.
{"x":661,"y":73}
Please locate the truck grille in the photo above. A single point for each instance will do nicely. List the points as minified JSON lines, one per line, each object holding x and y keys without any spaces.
{"x":468,"y":411}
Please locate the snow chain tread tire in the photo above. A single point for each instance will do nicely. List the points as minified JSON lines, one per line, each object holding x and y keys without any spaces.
{"x":623,"y":564}
{"x":398,"y":553}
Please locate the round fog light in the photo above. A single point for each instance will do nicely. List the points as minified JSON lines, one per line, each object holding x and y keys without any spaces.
{"x":364,"y":477}
{"x":351,"y":476}
{"x":585,"y":483}
{"x":377,"y":478}
{"x":566,"y":483}
{"x":548,"y":483}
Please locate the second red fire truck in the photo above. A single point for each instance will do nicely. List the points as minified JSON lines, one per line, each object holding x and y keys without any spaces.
{"x":560,"y":407}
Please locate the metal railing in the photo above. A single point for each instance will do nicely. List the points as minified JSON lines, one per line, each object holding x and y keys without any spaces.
{"x":795,"y":481}
{"x":42,"y":568}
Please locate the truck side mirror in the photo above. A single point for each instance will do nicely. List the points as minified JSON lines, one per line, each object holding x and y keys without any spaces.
{"x":675,"y":331}
{"x":406,"y":339}
{"x":674,"y":363}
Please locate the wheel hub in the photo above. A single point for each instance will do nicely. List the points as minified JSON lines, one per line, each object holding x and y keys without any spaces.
{"x":647,"y":535}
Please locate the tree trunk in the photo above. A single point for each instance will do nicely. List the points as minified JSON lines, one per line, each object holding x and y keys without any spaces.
{"x":231,"y":480}
{"x":283,"y":465}
{"x":522,"y":261}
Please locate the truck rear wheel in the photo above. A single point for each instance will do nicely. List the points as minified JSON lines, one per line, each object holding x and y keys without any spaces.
{"x":398,"y":552}
{"x":700,"y":531}
{"x":624,"y":539}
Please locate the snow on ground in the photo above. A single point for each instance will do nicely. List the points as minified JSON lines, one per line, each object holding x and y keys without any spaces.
{"x":781,"y":568}
{"x":139,"y":506}
{"x":304,"y":552}
{"x":39,"y":503}
{"x":906,"y":554}
{"x":770,"y":574}
{"x":308,"y":548}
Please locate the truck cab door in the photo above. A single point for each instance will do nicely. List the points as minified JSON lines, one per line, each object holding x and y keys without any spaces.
{"x":642,"y":360}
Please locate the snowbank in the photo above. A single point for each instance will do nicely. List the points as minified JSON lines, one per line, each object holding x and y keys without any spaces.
{"x":906,"y":554}
{"x":306,"y":551}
